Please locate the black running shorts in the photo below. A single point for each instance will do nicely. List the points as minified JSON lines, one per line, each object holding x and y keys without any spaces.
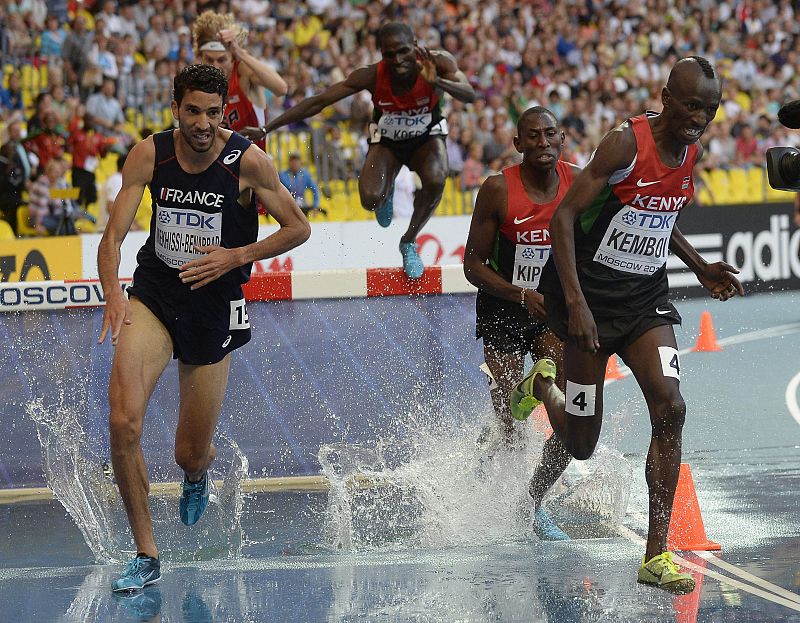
{"x":615,"y":333}
{"x":404,"y":150}
{"x":505,"y":326}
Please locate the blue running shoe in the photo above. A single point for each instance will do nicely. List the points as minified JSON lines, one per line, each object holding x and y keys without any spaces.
{"x":412,"y":264}
{"x":144,"y":605}
{"x":140,"y":572}
{"x":385,"y":212}
{"x":194,"y":500}
{"x":545,"y":528}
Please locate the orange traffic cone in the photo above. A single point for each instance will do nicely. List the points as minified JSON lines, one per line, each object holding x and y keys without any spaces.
{"x":686,"y":530}
{"x":707,"y":340}
{"x":688,"y":606}
{"x":612,"y":369}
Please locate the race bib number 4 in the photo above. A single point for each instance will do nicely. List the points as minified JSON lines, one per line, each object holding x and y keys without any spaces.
{"x":179,"y":230}
{"x":636,"y":241}
{"x":529,"y":261}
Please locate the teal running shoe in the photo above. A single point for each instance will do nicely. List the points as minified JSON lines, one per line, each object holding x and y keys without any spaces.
{"x":412,"y":264}
{"x":140,"y":572}
{"x":194,"y":499}
{"x":385,"y":212}
{"x":523,"y":401}
{"x":545,"y":528}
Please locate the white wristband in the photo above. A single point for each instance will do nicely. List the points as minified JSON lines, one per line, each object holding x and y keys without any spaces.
{"x":522,"y":297}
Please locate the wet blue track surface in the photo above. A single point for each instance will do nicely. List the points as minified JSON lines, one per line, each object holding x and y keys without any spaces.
{"x":356,"y":371}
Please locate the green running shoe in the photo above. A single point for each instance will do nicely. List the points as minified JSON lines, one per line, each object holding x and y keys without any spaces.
{"x":662,"y":572}
{"x":522,"y":399}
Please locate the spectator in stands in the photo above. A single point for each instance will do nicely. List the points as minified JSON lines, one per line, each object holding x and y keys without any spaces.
{"x":182,"y":50}
{"x":721,"y":146}
{"x":42,"y":105}
{"x":16,"y":172}
{"x":53,"y":38}
{"x":297,"y":181}
{"x":63,"y":105}
{"x":46,"y":143}
{"x":11,"y":96}
{"x":110,"y":16}
{"x":19,"y":42}
{"x":474,"y":170}
{"x":747,"y":152}
{"x":102,"y":59}
{"x":87,"y":148}
{"x":106,"y":110}
{"x":75,"y":53}
{"x":218,"y":41}
{"x":158,"y":37}
{"x":455,"y":157}
{"x":49,"y":215}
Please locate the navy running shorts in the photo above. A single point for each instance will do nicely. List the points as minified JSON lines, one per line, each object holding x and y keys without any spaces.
{"x":205,"y":324}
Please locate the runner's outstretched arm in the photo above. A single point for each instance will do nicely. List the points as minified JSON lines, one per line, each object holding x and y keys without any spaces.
{"x":718,"y":278}
{"x":360,"y":79}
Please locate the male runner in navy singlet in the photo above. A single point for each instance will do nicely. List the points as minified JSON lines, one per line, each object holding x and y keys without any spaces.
{"x":605,"y":288}
{"x":507,"y":248}
{"x":186,"y":300}
{"x":407,"y":129}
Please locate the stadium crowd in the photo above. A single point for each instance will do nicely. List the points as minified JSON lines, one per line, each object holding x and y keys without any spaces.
{"x":109,"y":69}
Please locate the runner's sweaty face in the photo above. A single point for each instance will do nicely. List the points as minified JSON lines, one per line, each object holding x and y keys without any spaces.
{"x":400,"y":55}
{"x":691,"y":104}
{"x":199,"y":116}
{"x":540,"y":140}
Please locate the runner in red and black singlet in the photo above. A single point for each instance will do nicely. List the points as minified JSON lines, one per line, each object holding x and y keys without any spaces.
{"x":240,"y":111}
{"x":622,"y":240}
{"x":218,"y":39}
{"x":606,"y":292}
{"x":407,"y":87}
{"x":404,"y":121}
{"x":508,"y":245}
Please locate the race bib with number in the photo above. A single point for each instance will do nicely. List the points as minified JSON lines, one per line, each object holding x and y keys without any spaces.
{"x":403,"y":126}
{"x":529,"y":261}
{"x":636,"y":241}
{"x":239,"y":318}
{"x":179,"y":230}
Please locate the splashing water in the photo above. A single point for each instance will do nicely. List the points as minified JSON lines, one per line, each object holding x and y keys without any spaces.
{"x":449,"y":490}
{"x":82,"y":481}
